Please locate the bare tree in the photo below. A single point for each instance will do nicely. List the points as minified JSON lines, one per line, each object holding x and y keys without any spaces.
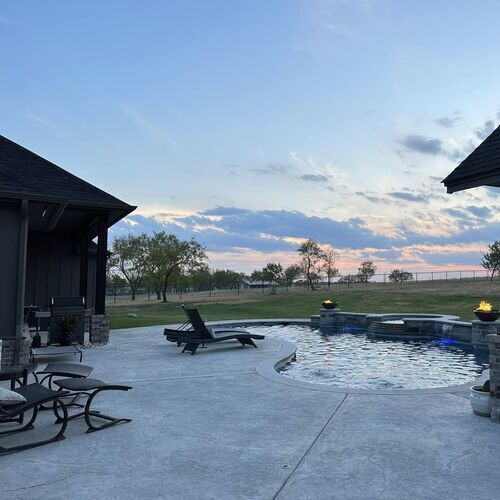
{"x":329,"y":258}
{"x":310,"y":255}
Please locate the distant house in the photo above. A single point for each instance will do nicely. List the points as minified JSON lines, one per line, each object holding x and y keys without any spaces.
{"x":48,"y":219}
{"x":244,"y":284}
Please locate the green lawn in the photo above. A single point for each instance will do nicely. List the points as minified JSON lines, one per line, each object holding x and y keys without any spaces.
{"x":447,"y":300}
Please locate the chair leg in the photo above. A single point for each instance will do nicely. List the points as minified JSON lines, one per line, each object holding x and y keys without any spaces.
{"x":191,"y":348}
{"x":57,"y":437}
{"x":88,"y":412}
{"x":247,"y":341}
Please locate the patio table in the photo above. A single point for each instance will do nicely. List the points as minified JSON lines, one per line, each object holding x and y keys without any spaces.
{"x":56,"y":350}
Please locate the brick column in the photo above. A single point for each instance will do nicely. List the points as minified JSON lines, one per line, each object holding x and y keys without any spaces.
{"x":494,"y":346}
{"x":99,"y":329}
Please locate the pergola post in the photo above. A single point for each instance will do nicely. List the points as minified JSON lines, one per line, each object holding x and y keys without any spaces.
{"x":102,"y":254}
{"x":84,"y":265}
{"x":21,"y":279}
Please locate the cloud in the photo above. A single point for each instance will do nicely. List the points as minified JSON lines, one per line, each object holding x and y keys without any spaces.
{"x":449,"y":121}
{"x":479,"y":211}
{"x":7,"y":20}
{"x":155,"y":131}
{"x":43,"y":121}
{"x":484,"y":130}
{"x":420,"y":198}
{"x":424,"y":145}
{"x":272,"y":169}
{"x":314,"y":178}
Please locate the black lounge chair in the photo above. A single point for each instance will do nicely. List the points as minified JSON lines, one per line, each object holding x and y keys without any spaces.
{"x":201,"y":334}
{"x":36,"y":395}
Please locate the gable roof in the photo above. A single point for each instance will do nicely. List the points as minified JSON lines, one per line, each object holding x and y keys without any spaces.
{"x":24,"y":174}
{"x":480,"y":168}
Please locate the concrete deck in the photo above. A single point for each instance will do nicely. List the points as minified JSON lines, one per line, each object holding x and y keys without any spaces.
{"x":209,"y":426}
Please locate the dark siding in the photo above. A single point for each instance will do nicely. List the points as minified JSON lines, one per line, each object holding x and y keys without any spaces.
{"x":9,"y":248}
{"x":53,"y":269}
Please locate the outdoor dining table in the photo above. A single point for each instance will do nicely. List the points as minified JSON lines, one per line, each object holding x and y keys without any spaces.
{"x":17,"y":373}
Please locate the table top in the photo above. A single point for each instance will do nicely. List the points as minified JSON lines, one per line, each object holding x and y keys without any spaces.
{"x":15,"y":371}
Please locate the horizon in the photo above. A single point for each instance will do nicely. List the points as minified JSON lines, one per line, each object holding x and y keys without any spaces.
{"x":254,"y":127}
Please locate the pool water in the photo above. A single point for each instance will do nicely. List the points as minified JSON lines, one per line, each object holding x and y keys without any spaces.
{"x":349,"y":357}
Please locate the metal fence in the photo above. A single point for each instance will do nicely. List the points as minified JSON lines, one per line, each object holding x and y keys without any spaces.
{"x":146,"y":294}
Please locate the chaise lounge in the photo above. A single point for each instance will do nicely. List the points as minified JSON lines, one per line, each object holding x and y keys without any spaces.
{"x":35,"y":396}
{"x":200,"y":334}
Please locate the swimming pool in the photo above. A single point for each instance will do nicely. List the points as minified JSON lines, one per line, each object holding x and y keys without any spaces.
{"x":351,"y":357}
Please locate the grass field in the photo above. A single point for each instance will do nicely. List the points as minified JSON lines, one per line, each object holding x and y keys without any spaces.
{"x":452,"y":297}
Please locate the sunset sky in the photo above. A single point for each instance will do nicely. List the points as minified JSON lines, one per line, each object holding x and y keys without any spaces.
{"x":252,"y":125}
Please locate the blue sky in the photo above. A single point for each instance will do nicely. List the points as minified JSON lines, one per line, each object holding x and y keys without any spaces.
{"x":253,"y":125}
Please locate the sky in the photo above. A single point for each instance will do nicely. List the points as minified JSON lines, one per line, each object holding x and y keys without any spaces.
{"x":253,"y":125}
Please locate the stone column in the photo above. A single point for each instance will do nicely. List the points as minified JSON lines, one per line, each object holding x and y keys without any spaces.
{"x":8,"y":347}
{"x":481,"y":330}
{"x":99,"y":329}
{"x":494,"y":346}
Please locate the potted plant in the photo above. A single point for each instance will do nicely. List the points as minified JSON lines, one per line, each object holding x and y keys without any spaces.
{"x":486,"y":312}
{"x":480,"y":399}
{"x":67,"y":329}
{"x":329,"y":304}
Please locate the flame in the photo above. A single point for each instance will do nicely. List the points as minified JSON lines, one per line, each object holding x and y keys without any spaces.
{"x":328,"y":301}
{"x":484,"y":306}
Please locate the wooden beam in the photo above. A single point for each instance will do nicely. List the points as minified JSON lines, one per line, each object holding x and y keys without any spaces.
{"x":21,"y":277}
{"x":102,"y":254}
{"x":56,"y":215}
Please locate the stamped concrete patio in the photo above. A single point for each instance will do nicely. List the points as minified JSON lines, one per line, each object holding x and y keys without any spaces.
{"x":209,"y":426}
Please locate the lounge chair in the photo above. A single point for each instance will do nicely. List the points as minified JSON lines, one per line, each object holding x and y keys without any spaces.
{"x":201,"y":334}
{"x":36,"y":395}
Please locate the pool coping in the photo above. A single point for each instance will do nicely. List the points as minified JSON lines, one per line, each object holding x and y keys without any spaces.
{"x":268,"y":367}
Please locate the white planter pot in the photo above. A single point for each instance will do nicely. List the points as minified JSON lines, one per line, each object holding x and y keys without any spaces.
{"x":480,"y":401}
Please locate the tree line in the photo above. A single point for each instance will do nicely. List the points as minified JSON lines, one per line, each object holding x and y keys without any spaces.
{"x":164,"y":263}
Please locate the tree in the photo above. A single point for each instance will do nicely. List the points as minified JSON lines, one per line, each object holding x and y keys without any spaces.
{"x":290,"y":274}
{"x":310,"y":255}
{"x":329,"y":257}
{"x":128,"y":258}
{"x":398,"y":276}
{"x":366,"y":271}
{"x":491,"y":259}
{"x":273,"y":272}
{"x":167,"y":255}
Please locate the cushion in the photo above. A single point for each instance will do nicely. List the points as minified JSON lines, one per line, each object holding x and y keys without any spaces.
{"x":10,"y":398}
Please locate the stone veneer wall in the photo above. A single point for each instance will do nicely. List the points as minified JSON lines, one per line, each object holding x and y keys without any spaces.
{"x":99,"y":329}
{"x":8,"y":347}
{"x":494,"y":345}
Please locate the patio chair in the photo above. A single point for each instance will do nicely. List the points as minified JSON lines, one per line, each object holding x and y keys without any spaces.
{"x":63,"y":370}
{"x":90,"y":388}
{"x":204,"y":335}
{"x":36,"y":395}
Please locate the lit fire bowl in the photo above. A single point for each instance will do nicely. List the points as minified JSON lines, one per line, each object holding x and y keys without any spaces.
{"x":488,"y":315}
{"x":329,"y":305}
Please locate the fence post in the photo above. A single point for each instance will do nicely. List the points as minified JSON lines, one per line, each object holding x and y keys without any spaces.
{"x":474,"y":275}
{"x":446,"y":276}
{"x":432,"y":275}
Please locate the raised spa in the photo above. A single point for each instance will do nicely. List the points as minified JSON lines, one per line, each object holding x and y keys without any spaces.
{"x":352,"y":357}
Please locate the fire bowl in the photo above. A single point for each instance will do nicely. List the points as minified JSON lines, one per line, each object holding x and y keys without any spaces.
{"x":488,"y":315}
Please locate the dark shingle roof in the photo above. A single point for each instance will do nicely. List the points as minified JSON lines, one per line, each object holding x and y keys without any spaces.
{"x":480,"y":168}
{"x":28,"y":175}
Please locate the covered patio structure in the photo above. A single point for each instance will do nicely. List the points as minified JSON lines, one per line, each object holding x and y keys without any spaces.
{"x":48,"y":220}
{"x":482,"y":168}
